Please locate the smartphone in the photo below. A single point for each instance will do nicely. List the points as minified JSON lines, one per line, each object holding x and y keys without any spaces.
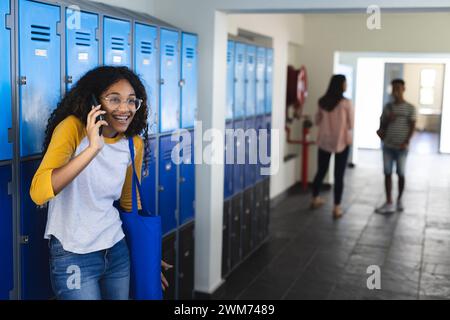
{"x":100,"y":117}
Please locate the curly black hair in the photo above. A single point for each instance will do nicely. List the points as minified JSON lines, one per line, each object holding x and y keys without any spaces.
{"x":78,"y":102}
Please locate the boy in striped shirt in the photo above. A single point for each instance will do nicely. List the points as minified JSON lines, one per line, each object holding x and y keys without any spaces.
{"x":397,"y":125}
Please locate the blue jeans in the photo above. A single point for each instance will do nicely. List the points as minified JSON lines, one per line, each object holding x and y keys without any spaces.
{"x":98,"y":275}
{"x":397,"y":156}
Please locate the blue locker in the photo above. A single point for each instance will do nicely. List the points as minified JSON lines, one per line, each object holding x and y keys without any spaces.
{"x":250,"y":81}
{"x":187,"y":183}
{"x":230,"y":81}
{"x":239,"y":84}
{"x":116,"y":37}
{"x":228,"y":178}
{"x":40,"y":67}
{"x":238,"y":169}
{"x":149,"y":179}
{"x":269,"y":79}
{"x":260,"y":125}
{"x":34,"y":250}
{"x":6,"y":235}
{"x":146,"y":61}
{"x":250,"y":148}
{"x":167,"y":200}
{"x":81,"y":46}
{"x":260,"y":80}
{"x":5,"y":83}
{"x":189,"y":84}
{"x":169,"y":112}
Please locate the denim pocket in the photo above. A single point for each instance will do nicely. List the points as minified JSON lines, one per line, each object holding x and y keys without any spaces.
{"x":56,"y":249}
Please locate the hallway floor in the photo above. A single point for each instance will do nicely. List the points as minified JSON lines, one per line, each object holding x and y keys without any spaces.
{"x":311,"y":256}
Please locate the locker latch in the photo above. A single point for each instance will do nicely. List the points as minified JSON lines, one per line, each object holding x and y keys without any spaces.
{"x":10,"y":188}
{"x":182,"y":179}
{"x":23,"y":81}
{"x":161,"y":81}
{"x":24,"y":239}
{"x":182,"y":83}
{"x":160,"y":188}
{"x":9,"y":22}
{"x":44,"y":206}
{"x":69,"y":79}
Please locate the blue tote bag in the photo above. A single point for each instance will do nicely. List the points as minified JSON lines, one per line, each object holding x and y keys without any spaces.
{"x":143,"y":233}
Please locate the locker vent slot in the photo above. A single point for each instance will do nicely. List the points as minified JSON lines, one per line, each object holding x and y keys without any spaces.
{"x":83,"y":39}
{"x":170,"y":50}
{"x":146,"y":47}
{"x":240,"y":58}
{"x":118,"y":44}
{"x":250,"y":59}
{"x":167,"y":154}
{"x":190,"y":53}
{"x":228,"y":56}
{"x":40,"y":33}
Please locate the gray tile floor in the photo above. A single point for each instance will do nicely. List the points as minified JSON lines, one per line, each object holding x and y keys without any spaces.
{"x":311,"y":256}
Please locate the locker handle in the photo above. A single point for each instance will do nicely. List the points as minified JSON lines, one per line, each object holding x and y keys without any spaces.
{"x":24,"y":239}
{"x":10,"y":135}
{"x":182,"y":83}
{"x":160,"y":188}
{"x":69,"y":79}
{"x":182,"y":179}
{"x":187,"y":254}
{"x":23,"y":81}
{"x":161,"y":81}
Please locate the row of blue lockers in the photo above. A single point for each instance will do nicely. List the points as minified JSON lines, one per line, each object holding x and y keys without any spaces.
{"x":165,"y":58}
{"x":249,"y":80}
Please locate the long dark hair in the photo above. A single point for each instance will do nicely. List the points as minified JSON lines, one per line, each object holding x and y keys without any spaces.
{"x":78,"y":102}
{"x":334,"y":94}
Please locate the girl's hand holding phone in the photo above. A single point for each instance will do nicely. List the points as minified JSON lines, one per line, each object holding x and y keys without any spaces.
{"x":96,"y":141}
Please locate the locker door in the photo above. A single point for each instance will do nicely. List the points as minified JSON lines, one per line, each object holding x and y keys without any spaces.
{"x":228,"y":178}
{"x":251,"y":153}
{"x":186,"y":262}
{"x":250,"y":81}
{"x":5,"y":84}
{"x":81,"y":46}
{"x":6,"y":234}
{"x":169,"y":256}
{"x":116,"y":37}
{"x":187,"y":184}
{"x":260,"y":80}
{"x":189,"y":80}
{"x":239,"y":84}
{"x":235,"y":230}
{"x":268,"y":126}
{"x":169,"y":113}
{"x":257,"y":220}
{"x":246,"y":222}
{"x":40,"y":67}
{"x":260,"y":125}
{"x":230,"y":81}
{"x":238,"y":169}
{"x":226,"y":238}
{"x":167,"y":202}
{"x":146,"y":60}
{"x":34,"y":248}
{"x":149,"y":179}
{"x":266,"y":218}
{"x":269,"y":80}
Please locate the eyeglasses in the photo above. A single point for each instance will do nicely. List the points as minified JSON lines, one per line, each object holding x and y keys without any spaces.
{"x":114,"y":103}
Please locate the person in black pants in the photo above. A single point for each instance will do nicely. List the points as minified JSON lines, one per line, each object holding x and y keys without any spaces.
{"x":335,"y":121}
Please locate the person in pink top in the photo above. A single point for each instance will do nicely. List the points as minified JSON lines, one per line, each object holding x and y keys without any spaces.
{"x":335,"y":121}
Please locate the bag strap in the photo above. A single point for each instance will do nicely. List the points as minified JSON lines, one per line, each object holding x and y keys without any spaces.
{"x":135,"y":183}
